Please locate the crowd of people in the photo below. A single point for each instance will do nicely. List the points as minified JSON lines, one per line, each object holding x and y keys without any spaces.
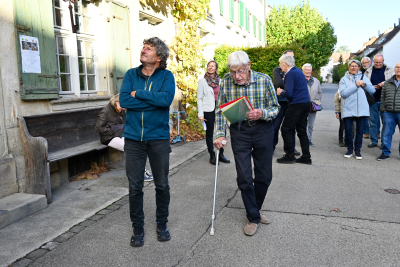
{"x":366,"y":99}
{"x":137,"y":122}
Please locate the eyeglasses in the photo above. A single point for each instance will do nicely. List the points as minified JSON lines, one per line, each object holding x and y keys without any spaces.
{"x":397,"y":67}
{"x":354,"y":66}
{"x":241,"y":72}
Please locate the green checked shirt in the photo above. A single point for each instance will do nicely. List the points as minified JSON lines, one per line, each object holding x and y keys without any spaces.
{"x":260,"y":92}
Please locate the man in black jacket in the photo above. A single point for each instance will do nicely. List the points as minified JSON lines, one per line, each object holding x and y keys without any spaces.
{"x":278,"y":78}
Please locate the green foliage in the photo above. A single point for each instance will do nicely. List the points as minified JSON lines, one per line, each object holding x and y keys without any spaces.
{"x":339,"y":71}
{"x":343,"y":49}
{"x":305,"y":26}
{"x":185,"y":49}
{"x":263,"y":59}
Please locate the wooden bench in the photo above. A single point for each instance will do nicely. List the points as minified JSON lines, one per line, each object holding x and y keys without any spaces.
{"x":52,"y":137}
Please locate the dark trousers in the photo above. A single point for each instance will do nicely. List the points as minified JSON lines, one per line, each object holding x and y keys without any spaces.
{"x":348,"y":124}
{"x":136,"y":154}
{"x":247,"y":142}
{"x":341,"y":127}
{"x":296,"y":118}
{"x":278,"y":121}
{"x":209,"y":119}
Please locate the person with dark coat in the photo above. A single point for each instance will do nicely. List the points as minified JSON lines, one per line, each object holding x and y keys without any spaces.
{"x":390,"y":108}
{"x":296,"y":92}
{"x":110,"y":126}
{"x":278,"y":79}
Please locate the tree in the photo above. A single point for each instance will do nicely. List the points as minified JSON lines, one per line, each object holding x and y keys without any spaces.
{"x":303,"y":25}
{"x":343,"y":49}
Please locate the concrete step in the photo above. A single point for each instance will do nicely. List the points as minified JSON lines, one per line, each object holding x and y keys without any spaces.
{"x":18,"y":206}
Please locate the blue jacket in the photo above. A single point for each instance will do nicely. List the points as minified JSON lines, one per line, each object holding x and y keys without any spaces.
{"x":147,"y":116}
{"x":354,"y":102}
{"x":296,"y":89}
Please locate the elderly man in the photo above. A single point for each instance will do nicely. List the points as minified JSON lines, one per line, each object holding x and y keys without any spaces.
{"x":314,"y":89}
{"x":366,"y":63}
{"x":147,"y":92}
{"x":378,"y":74}
{"x":296,"y":91}
{"x":252,"y":138}
{"x":390,"y":108}
{"x":278,"y":79}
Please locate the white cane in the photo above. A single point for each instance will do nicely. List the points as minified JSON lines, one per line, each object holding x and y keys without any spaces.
{"x":215,"y":189}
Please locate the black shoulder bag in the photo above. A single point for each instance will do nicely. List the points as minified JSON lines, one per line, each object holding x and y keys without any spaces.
{"x":370,"y":98}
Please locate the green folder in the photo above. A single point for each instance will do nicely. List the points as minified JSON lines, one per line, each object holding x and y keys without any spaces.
{"x":236,"y":111}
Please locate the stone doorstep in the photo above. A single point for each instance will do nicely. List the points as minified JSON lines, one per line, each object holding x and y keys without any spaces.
{"x":20,"y":205}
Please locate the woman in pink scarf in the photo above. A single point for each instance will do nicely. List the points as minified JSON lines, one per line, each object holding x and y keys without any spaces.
{"x":207,"y":93}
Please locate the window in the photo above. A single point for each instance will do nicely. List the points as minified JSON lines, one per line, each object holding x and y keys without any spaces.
{"x":82,"y":18}
{"x":76,"y":61}
{"x":63,"y":65}
{"x":87,"y":73}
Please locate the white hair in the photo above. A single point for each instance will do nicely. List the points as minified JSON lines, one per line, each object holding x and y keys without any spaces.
{"x":369,"y":60}
{"x":288,"y":59}
{"x":306,"y":65}
{"x":238,"y":58}
{"x":378,"y":55}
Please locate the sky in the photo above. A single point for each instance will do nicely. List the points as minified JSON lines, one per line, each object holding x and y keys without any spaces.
{"x":355,"y":21}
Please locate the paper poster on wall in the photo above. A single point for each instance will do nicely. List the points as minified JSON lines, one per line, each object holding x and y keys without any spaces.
{"x":30,"y":54}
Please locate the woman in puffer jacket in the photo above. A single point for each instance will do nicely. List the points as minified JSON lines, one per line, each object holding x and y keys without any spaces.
{"x":352,"y":88}
{"x":110,"y":126}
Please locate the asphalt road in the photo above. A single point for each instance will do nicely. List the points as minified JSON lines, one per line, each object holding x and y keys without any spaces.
{"x":332,"y":213}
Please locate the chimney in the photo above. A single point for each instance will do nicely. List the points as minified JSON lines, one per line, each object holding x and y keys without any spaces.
{"x":379,"y":33}
{"x":399,"y":21}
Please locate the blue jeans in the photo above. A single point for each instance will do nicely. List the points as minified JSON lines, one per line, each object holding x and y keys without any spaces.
{"x":366,"y":127}
{"x":136,"y":153}
{"x":348,"y":125}
{"x":375,"y":117}
{"x":278,"y":121}
{"x":391,"y":119}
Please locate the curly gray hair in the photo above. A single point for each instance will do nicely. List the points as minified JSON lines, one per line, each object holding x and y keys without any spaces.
{"x":162,"y":49}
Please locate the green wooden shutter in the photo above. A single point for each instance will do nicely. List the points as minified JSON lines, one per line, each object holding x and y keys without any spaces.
{"x":259,"y":30}
{"x":265,"y":33}
{"x":254,"y":26}
{"x":221,"y":7}
{"x":241,"y":12}
{"x":35,"y":18}
{"x":121,"y":44}
{"x":232,"y":10}
{"x":246,"y":12}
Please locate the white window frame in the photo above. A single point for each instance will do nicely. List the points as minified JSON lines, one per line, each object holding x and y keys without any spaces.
{"x":71,"y":40}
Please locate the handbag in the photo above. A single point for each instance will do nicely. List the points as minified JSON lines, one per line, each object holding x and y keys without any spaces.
{"x":316,"y":106}
{"x":370,"y":98}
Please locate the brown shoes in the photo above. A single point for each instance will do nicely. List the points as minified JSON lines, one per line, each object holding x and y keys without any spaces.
{"x":264,"y":219}
{"x":250,"y":228}
{"x":366,"y":136}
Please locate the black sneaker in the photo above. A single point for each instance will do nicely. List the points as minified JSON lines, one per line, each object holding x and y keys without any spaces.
{"x":382,"y":157}
{"x":358,"y":155}
{"x":304,"y":160}
{"x":286,"y":159}
{"x":162,"y":232}
{"x":137,"y":239}
{"x":348,"y":154}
